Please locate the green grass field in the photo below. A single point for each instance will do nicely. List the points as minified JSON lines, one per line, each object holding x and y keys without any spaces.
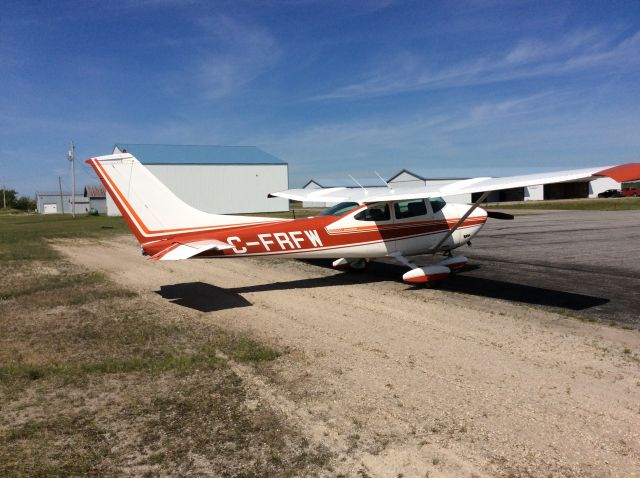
{"x":596,"y":204}
{"x":23,"y":236}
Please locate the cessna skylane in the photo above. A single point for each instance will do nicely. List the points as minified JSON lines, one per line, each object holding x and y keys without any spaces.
{"x":364,"y":225}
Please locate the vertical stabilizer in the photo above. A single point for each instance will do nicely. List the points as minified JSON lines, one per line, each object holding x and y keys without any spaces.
{"x":150,"y":208}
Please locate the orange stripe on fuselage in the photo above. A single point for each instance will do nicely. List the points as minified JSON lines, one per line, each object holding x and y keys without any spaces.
{"x":248,"y":241}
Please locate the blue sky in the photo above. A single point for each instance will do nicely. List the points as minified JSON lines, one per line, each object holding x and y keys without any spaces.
{"x":452,"y":88}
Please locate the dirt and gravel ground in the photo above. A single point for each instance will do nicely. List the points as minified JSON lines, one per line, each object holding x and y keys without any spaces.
{"x":398,"y":381}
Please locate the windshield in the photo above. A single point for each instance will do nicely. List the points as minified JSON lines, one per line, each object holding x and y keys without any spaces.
{"x":339,"y":209}
{"x":437,"y":204}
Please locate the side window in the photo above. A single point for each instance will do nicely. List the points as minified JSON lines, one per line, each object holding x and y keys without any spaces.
{"x":437,"y":204}
{"x":374,"y":212}
{"x":411,"y":208}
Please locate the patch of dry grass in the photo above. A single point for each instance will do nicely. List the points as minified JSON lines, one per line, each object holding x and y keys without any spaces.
{"x":94,"y":380}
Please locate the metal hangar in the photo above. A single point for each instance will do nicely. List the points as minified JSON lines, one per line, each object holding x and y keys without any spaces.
{"x":215,"y":179}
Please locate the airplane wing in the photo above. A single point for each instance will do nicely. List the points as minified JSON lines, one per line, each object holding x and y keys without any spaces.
{"x":620,"y":173}
{"x":184,"y":250}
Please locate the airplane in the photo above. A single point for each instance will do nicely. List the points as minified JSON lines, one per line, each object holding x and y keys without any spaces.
{"x":364,"y":225}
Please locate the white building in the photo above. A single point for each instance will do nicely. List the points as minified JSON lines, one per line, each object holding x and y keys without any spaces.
{"x":56,"y":202}
{"x":214,"y":179}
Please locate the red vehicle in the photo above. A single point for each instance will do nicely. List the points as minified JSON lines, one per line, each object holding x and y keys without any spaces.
{"x":631,"y":189}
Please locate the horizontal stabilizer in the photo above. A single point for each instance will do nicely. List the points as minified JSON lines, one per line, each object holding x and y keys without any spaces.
{"x":184,"y":250}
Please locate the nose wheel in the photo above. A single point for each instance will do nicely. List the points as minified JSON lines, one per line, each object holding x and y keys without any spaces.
{"x":350,"y":264}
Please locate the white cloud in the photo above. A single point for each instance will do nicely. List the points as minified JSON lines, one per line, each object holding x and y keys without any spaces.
{"x":235,"y":54}
{"x":533,"y":131}
{"x":528,"y":59}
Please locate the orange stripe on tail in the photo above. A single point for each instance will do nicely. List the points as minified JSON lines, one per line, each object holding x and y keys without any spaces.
{"x":104,"y":178}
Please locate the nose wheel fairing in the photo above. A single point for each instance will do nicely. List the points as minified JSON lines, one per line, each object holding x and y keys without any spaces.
{"x":431,"y":273}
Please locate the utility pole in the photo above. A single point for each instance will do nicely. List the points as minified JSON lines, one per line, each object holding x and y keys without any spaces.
{"x":72,"y":158}
{"x":61,"y":200}
{"x":4,"y":194}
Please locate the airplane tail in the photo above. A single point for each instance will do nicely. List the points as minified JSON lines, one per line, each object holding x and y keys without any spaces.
{"x":151,"y":209}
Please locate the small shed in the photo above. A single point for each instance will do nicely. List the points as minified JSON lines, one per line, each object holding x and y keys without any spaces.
{"x":97,"y":197}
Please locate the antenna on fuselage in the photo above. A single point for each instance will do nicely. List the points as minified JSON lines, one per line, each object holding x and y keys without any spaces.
{"x":355,"y":181}
{"x":385,"y":183}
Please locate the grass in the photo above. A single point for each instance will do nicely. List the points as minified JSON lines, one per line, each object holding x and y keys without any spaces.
{"x":596,"y":204}
{"x":86,"y":443}
{"x":51,"y":283}
{"x":95,"y":380}
{"x":11,"y":374}
{"x":23,"y":236}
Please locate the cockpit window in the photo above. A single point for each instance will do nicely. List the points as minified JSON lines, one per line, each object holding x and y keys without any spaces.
{"x":339,"y":209}
{"x":437,"y":204}
{"x":411,"y":208}
{"x":374,"y":212}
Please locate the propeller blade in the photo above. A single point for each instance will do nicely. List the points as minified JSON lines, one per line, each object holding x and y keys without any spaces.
{"x":499,"y":215}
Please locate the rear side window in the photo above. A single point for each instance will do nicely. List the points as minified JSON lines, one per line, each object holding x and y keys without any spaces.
{"x":375,"y":212}
{"x":437,"y":204}
{"x":411,"y":208}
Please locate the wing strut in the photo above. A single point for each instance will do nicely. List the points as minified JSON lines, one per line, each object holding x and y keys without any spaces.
{"x":460,"y":221}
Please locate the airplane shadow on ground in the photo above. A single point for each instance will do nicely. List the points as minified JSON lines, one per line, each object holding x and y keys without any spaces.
{"x":526,"y":294}
{"x":202,"y":296}
{"x":209,"y":298}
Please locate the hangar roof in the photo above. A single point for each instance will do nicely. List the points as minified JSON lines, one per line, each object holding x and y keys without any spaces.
{"x":79,"y":197}
{"x":95,"y":191}
{"x":197,"y":154}
{"x":54,"y":193}
{"x":344,"y":183}
{"x":421,"y":177}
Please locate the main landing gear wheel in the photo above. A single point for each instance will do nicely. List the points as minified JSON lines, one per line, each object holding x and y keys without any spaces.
{"x":355,"y":265}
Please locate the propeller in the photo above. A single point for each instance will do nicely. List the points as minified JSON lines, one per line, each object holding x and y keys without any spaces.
{"x":499,"y":215}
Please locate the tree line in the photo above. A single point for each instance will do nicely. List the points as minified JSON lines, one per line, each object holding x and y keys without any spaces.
{"x":24,"y":203}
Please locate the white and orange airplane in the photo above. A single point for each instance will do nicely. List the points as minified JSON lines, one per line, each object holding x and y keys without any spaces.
{"x":363,"y":226}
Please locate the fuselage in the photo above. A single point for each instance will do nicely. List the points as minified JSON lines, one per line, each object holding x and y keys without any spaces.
{"x":362,"y":231}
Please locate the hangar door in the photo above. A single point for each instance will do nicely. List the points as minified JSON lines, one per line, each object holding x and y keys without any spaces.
{"x":566,"y":190}
{"x":503,"y":195}
{"x":50,"y":209}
